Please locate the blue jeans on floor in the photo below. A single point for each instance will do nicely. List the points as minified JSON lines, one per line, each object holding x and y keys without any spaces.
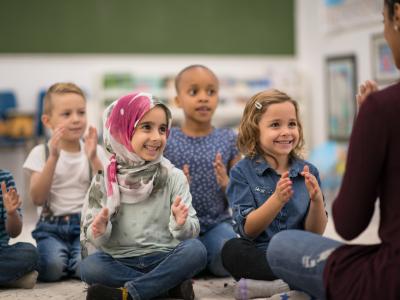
{"x":298,"y":257}
{"x":214,"y":239}
{"x":59,"y":248}
{"x":146,"y":276}
{"x":17,"y":260}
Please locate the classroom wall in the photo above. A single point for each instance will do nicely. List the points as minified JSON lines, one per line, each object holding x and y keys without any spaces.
{"x":314,"y":46}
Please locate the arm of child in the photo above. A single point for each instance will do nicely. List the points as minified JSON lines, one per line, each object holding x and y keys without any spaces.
{"x":220,"y":172}
{"x":259,"y":219}
{"x":11,"y":202}
{"x":250,"y":219}
{"x":100,"y":230}
{"x":233,"y":156}
{"x":316,"y":219}
{"x":91,"y":150}
{"x":95,"y":217}
{"x":40,"y":182}
{"x":183,"y":222}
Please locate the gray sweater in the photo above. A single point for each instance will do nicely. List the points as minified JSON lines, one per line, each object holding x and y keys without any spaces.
{"x":148,"y":226}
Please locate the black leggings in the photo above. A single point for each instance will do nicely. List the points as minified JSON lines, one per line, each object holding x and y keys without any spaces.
{"x":242,"y":259}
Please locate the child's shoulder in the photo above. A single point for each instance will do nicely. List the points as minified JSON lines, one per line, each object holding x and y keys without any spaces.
{"x":39,"y":148}
{"x":176,"y":177}
{"x":176,"y":173}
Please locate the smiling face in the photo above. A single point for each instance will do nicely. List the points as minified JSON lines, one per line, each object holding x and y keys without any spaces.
{"x":279,"y":132}
{"x":68,"y":111}
{"x":150,"y":135}
{"x":197,"y":94}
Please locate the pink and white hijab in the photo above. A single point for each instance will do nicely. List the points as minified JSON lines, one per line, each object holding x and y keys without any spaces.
{"x":126,"y":171}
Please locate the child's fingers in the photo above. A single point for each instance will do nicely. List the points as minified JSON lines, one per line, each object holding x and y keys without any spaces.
{"x":177,"y":201}
{"x":283,"y":183}
{"x":218,"y":157}
{"x":3,"y":188}
{"x":184,"y":209}
{"x":13,"y":195}
{"x":186,"y":170}
{"x":285,"y":175}
{"x":104,"y":213}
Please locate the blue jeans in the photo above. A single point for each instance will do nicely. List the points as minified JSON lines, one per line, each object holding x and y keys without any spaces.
{"x":59,"y":249}
{"x":299,"y":257}
{"x":146,"y":276}
{"x":17,"y":260}
{"x":214,"y":239}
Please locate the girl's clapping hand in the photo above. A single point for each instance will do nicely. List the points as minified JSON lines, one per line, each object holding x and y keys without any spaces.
{"x":180,"y":211}
{"x":312,"y":185}
{"x":99,"y":224}
{"x":284,"y":189}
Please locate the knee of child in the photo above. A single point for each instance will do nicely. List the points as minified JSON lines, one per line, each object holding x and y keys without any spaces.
{"x":229,"y":248}
{"x":197,"y":250}
{"x":52,"y":270}
{"x":198,"y":247}
{"x":89,"y":268}
{"x":31,"y":254}
{"x":278,"y":245}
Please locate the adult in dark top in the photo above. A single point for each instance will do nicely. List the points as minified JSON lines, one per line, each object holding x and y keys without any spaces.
{"x":327,"y":269}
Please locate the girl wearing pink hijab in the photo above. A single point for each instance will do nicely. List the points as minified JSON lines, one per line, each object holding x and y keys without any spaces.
{"x":138,"y":214}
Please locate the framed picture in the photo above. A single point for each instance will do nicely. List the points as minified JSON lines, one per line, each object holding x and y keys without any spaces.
{"x":383,"y":67}
{"x":341,"y":86}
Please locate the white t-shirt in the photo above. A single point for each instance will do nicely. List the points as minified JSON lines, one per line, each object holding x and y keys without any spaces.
{"x":71,"y":179}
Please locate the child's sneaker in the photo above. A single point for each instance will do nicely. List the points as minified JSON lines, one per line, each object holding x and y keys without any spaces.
{"x":101,"y":292}
{"x":182,"y":291}
{"x":27,"y":281}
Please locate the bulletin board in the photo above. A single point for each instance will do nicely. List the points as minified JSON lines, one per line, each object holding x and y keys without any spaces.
{"x":256,"y":27}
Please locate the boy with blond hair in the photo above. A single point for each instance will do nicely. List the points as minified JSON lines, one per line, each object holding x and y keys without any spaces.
{"x":60,"y":174}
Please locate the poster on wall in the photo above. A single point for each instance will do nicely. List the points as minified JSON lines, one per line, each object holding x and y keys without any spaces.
{"x":383,"y":66}
{"x":346,"y":14}
{"x":341,"y":85}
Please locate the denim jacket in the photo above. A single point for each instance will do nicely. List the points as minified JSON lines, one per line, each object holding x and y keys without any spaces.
{"x":252,"y":181}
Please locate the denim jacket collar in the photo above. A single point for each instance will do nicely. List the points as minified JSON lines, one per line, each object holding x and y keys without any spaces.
{"x":261,"y":165}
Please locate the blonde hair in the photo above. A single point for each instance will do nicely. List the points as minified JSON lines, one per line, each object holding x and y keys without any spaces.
{"x":59,"y":88}
{"x":249,"y":133}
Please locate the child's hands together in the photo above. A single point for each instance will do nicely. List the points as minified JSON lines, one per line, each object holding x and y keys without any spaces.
{"x":54,"y":144}
{"x":220,"y":171}
{"x":283,"y":189}
{"x":91,"y":143}
{"x":180,"y":211}
{"x":312,"y":185}
{"x":10,"y":199}
{"x":99,"y":224}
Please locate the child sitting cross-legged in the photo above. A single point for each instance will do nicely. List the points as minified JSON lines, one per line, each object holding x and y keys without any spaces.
{"x":139,"y":213}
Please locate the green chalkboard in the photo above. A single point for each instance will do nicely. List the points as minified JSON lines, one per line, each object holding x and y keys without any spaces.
{"x":148,"y":26}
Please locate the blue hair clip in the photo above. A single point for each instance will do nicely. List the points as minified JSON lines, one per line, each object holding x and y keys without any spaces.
{"x":258,"y":105}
